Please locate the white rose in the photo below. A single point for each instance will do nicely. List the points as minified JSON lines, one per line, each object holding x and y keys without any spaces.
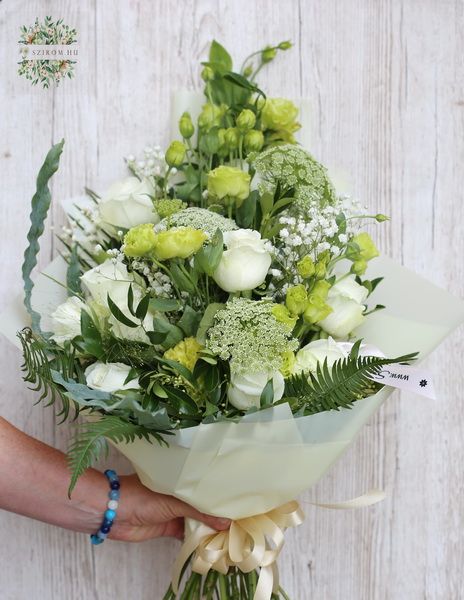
{"x":345,"y":298}
{"x":109,"y":278}
{"x":245,"y":263}
{"x":109,"y":377}
{"x":66,"y":320}
{"x":309,"y":356}
{"x":113,"y":279}
{"x":127,"y":203}
{"x":245,"y":390}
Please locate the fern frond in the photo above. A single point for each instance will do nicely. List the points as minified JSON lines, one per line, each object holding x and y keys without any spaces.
{"x":90,"y":442}
{"x":40,"y":359}
{"x":348,"y":380}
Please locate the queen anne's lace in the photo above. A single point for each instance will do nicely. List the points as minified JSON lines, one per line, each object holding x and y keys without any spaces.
{"x":293,"y":167}
{"x":198,"y":218}
{"x":247,"y":333}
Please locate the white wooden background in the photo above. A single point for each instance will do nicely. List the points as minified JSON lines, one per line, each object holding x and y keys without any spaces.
{"x":385,"y":78}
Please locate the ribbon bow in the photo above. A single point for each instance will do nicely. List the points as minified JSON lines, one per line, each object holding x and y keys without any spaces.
{"x":252,"y":543}
{"x":249,"y":544}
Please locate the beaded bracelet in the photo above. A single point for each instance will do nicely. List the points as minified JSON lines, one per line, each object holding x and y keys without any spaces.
{"x":110,"y":513}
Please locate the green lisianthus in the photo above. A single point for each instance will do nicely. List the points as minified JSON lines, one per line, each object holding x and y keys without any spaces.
{"x":179,"y":242}
{"x":229,"y":182}
{"x":140,"y":240}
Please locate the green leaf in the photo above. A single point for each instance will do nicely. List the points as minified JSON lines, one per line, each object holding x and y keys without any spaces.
{"x":40,"y":205}
{"x":169,"y":334}
{"x":142,"y":308}
{"x":92,"y":340}
{"x":267,"y":395}
{"x":130,"y":300}
{"x":179,"y":403}
{"x":165,"y":304}
{"x":266,"y":201}
{"x":218,"y":54}
{"x":182,"y":279}
{"x":189,"y":321}
{"x":207,"y":320}
{"x":190,"y":189}
{"x":89,"y":443}
{"x":245,"y":213}
{"x":81,"y":393}
{"x":208,"y":257}
{"x":119,"y":315}
{"x":73,"y":273}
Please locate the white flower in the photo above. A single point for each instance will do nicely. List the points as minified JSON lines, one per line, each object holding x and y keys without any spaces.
{"x":109,"y":279}
{"x":66,"y":320}
{"x":345,"y":298}
{"x":109,"y":377}
{"x":112,"y":279}
{"x":245,"y":390}
{"x":309,"y":356}
{"x":127,"y":203}
{"x":245,"y":263}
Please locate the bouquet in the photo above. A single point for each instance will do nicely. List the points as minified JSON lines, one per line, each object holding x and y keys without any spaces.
{"x":212,"y":316}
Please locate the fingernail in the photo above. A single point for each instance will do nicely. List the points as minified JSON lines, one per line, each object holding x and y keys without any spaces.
{"x":223,"y":523}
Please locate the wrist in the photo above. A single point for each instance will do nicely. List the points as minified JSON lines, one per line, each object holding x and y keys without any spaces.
{"x":89,"y":498}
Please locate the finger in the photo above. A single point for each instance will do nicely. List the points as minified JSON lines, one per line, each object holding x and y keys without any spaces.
{"x":182,"y":509}
{"x":174,"y":528}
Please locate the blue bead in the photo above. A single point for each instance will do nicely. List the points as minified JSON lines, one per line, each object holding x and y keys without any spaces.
{"x":115,"y":485}
{"x":111,"y":474}
{"x":105,"y":528}
{"x":101,"y":535}
{"x":114,"y":494}
{"x":95,"y":540}
{"x":107,"y":523}
{"x":110,"y":514}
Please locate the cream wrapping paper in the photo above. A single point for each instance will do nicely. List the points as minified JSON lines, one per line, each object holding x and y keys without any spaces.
{"x":237,"y":470}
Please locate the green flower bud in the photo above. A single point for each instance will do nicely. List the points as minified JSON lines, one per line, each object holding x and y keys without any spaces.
{"x":359,"y":267}
{"x":140,"y":240}
{"x":248,"y":71}
{"x":175,"y":154}
{"x":285,"y":45}
{"x":166,"y":207}
{"x":186,"y":127}
{"x":230,"y":183}
{"x":282,"y":315}
{"x":207,"y":73}
{"x":253,"y":140}
{"x":268,"y":54}
{"x":367,"y":248}
{"x":320,"y":270}
{"x":210,"y":116}
{"x":381,"y":218}
{"x":246,"y":120}
{"x":296,"y":299}
{"x":305,"y":267}
{"x":232,"y":138}
{"x":320,"y":290}
{"x":179,"y":242}
{"x":316,"y":310}
{"x":288,"y":363}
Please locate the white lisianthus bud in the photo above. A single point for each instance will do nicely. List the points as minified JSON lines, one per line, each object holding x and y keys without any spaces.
{"x":66,"y":320}
{"x":128,"y":203}
{"x":245,"y":263}
{"x":345,"y":298}
{"x":109,"y":377}
{"x":245,"y":390}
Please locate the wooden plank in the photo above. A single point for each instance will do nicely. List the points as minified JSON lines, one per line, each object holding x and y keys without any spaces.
{"x":385,"y":79}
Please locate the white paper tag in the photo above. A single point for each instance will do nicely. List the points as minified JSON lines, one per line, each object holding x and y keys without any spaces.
{"x":408,"y":378}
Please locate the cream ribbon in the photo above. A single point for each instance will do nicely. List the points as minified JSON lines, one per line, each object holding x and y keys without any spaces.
{"x":252,"y":543}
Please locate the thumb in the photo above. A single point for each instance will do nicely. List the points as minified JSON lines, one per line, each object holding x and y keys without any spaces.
{"x":182,"y":509}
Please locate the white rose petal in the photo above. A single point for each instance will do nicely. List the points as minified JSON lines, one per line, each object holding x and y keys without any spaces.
{"x":109,"y":377}
{"x":128,"y":203}
{"x":345,"y":298}
{"x":66,"y":320}
{"x":245,"y":390}
{"x":245,"y":263}
{"x":109,"y":278}
{"x":308,"y":357}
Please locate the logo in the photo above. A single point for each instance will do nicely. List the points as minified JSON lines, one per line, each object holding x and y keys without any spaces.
{"x":48,"y":52}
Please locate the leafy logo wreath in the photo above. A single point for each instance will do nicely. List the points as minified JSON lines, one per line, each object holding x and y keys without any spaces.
{"x":41,"y":66}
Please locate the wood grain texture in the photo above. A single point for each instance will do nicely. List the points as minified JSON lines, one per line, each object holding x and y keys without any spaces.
{"x":386,"y":82}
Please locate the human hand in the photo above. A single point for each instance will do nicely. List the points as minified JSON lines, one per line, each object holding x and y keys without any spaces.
{"x":143,"y":514}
